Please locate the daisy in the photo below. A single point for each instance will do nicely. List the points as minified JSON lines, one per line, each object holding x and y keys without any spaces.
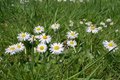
{"x":110,"y":45}
{"x":23,"y":36}
{"x":20,"y":47}
{"x":88,"y":23}
{"x":84,"y":20}
{"x":38,"y":29}
{"x":105,"y":26}
{"x":102,"y":24}
{"x":92,"y":29}
{"x":109,"y":20}
{"x":41,"y":48}
{"x":32,"y":38}
{"x":56,"y":48}
{"x":24,"y":1}
{"x":59,"y":0}
{"x":116,"y":30}
{"x":55,"y":26}
{"x":71,"y":23}
{"x":45,"y":38}
{"x":71,"y":43}
{"x":11,"y":49}
{"x":81,"y":0}
{"x":99,"y":28}
{"x":64,"y":0}
{"x":112,"y":23}
{"x":81,"y":22}
{"x":72,"y":35}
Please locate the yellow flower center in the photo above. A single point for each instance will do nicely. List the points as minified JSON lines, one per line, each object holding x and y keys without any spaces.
{"x":23,"y":35}
{"x":92,"y":27}
{"x":110,"y":44}
{"x":18,"y":46}
{"x":72,"y":33}
{"x":56,"y":47}
{"x":71,"y":42}
{"x":44,"y":37}
{"x":12,"y":48}
{"x":38,"y":29}
{"x":41,"y":47}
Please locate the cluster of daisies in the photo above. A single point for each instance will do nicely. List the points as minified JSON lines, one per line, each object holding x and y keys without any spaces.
{"x":72,"y":0}
{"x":27,"y":1}
{"x":92,"y":28}
{"x":15,"y":48}
{"x":57,"y":48}
{"x":110,"y":45}
{"x":44,"y":41}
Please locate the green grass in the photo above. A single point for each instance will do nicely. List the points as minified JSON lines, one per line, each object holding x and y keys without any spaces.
{"x":91,"y":61}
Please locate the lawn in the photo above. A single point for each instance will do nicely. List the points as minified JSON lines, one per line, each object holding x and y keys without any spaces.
{"x":94,"y":53}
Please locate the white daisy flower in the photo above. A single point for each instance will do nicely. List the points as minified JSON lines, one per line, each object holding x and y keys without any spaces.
{"x":72,"y":35}
{"x":81,"y":0}
{"x":32,"y":38}
{"x":24,"y":1}
{"x":71,"y":23}
{"x":88,"y":23}
{"x":20,"y":47}
{"x":99,"y":28}
{"x":23,"y":36}
{"x":102,"y":24}
{"x":64,"y":0}
{"x":92,"y":29}
{"x":112,"y":23}
{"x":41,"y":48}
{"x":56,"y":48}
{"x":15,"y":48}
{"x":109,"y":20}
{"x":116,"y":30}
{"x":39,"y":29}
{"x":110,"y":45}
{"x":71,"y":43}
{"x":37,"y":36}
{"x":105,"y":26}
{"x":55,"y":26}
{"x":12,"y":5}
{"x":11,"y":49}
{"x":59,"y":0}
{"x":44,"y":38}
{"x":81,"y":22}
{"x":84,"y":20}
